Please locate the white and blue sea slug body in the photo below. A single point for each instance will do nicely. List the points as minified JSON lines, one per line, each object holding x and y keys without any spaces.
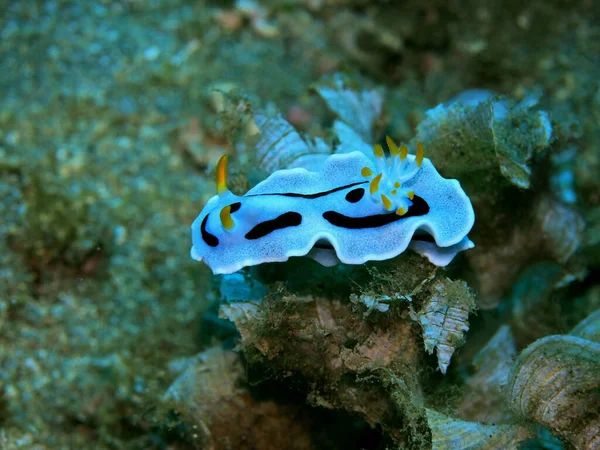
{"x":356,"y":209}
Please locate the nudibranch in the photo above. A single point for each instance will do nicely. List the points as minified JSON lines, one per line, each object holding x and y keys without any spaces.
{"x":356,"y":209}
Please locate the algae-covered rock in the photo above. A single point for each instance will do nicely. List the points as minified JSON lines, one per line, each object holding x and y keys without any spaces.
{"x":491,"y":133}
{"x":364,"y":356}
{"x":222,"y":414}
{"x":440,"y":306}
{"x":343,"y":361}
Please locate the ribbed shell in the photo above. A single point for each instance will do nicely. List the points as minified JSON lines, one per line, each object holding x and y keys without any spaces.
{"x":280,"y":146}
{"x":358,"y":109}
{"x":556,"y":383}
{"x":448,"y":433}
{"x":561,"y":228}
{"x":444,"y":318}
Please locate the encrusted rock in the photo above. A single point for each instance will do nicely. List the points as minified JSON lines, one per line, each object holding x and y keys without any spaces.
{"x":369,"y":368}
{"x":221,"y":413}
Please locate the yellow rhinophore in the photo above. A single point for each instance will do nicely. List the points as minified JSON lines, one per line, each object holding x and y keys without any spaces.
{"x":225,"y":216}
{"x":222,"y":175}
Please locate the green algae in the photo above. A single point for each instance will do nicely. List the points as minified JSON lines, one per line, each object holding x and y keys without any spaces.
{"x":467,"y":140}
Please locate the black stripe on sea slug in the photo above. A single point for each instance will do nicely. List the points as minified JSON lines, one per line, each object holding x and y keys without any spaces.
{"x":310,"y":196}
{"x":286,"y":220}
{"x":355,"y":195}
{"x":234,"y":207}
{"x":418,"y":208}
{"x":210,"y":239}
